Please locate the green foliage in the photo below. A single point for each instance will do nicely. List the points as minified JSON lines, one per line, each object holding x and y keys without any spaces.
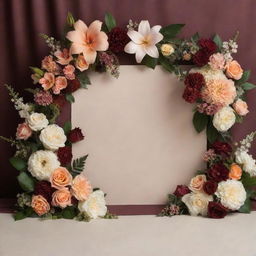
{"x":245,"y":77}
{"x":211,"y":132}
{"x":195,"y":37}
{"x":67,"y":127}
{"x":18,"y":163}
{"x":248,"y":86}
{"x":19,"y":215}
{"x":110,"y":21}
{"x":78,"y":165}
{"x":200,"y":121}
{"x":70,"y":98}
{"x":166,"y":64}
{"x":83,"y":79}
{"x":70,"y":19}
{"x":217,"y":40}
{"x":26,"y":182}
{"x":83,"y":216}
{"x":149,"y":61}
{"x":171,"y":31}
{"x":69,"y":212}
{"x":37,"y":71}
{"x":247,"y":207}
{"x":248,"y":181}
{"x":51,"y":111}
{"x":110,"y":216}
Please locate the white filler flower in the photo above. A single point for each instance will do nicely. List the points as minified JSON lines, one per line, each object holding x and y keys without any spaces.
{"x":42,"y":163}
{"x":144,"y":41}
{"x":231,"y":193}
{"x":247,"y":162}
{"x":53,"y":137}
{"x":224,"y":119}
{"x":95,"y":205}
{"x":37,"y":121}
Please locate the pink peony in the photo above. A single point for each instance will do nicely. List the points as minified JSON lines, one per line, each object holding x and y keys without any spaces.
{"x":217,"y":61}
{"x":23,"y":132}
{"x":47,"y":81}
{"x":64,"y":56}
{"x":69,"y":72}
{"x":60,"y":84}
{"x":43,"y":98}
{"x":241,"y":107}
{"x":50,"y":65}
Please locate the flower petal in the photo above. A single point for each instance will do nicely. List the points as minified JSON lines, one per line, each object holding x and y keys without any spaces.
{"x":152,"y":51}
{"x":89,"y":55}
{"x":76,"y":36}
{"x":139,"y":55}
{"x":144,"y":27}
{"x":76,"y":48}
{"x":80,"y":26}
{"x":95,"y":27}
{"x":156,"y":28}
{"x":101,"y":42}
{"x":135,"y":36}
{"x":155,"y":38}
{"x":131,"y":47}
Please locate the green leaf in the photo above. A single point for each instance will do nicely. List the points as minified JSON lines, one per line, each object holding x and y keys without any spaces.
{"x":166,"y":64}
{"x":78,"y":165}
{"x":37,"y":71}
{"x":83,"y":79}
{"x":247,"y":207}
{"x":171,"y":31}
{"x":195,"y":37}
{"x":211,"y":132}
{"x":217,"y":40}
{"x":18,"y":163}
{"x":110,"y":21}
{"x":249,"y":181}
{"x":245,"y":77}
{"x":70,"y":98}
{"x":200,"y":121}
{"x":70,"y":19}
{"x":19,"y":216}
{"x":26,"y":182}
{"x":248,"y":86}
{"x":149,"y":61}
{"x":67,"y":127}
{"x":69,"y":212}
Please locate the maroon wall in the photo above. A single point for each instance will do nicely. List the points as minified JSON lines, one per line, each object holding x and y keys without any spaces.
{"x":22,"y":20}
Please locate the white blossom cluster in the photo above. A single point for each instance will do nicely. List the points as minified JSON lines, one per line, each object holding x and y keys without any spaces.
{"x":228,"y":48}
{"x":132,"y":25}
{"x":24,"y":109}
{"x":246,"y":143}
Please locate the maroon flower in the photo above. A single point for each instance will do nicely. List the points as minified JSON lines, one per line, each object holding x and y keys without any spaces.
{"x":195,"y":80}
{"x":181,"y":190}
{"x":60,"y":100}
{"x":216,"y":210}
{"x":210,"y":187}
{"x":75,"y":135}
{"x":191,"y":94}
{"x":73,"y":86}
{"x":201,"y":58}
{"x":218,"y":172}
{"x":117,"y":39}
{"x":207,"y":45}
{"x":65,"y":155}
{"x":44,"y":189}
{"x":222,"y":148}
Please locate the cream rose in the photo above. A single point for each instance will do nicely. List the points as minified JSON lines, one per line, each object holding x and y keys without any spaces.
{"x":234,"y":70}
{"x":196,"y":183}
{"x":53,"y":137}
{"x":42,"y":163}
{"x":224,"y":119}
{"x":167,"y":49}
{"x":37,"y":121}
{"x":95,"y":205}
{"x":231,"y":193}
{"x":197,"y":203}
{"x":241,"y":107}
{"x":247,"y":162}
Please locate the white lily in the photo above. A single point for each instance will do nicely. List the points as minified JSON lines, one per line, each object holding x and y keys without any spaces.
{"x":144,"y":41}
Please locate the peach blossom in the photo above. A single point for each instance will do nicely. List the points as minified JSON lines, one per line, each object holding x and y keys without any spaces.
{"x":196,"y":183}
{"x":60,"y":84}
{"x":235,"y":172}
{"x":234,"y":70}
{"x":64,"y":56}
{"x":40,"y":205}
{"x":217,"y":61}
{"x":81,"y":188}
{"x":69,"y":72}
{"x":47,"y":81}
{"x":23,"y":131}
{"x":88,"y":40}
{"x":81,"y":63}
{"x":61,"y":198}
{"x":241,"y":107}
{"x":60,"y":178}
{"x":50,"y":65}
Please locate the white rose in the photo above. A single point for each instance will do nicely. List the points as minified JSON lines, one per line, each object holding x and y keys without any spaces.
{"x":95,"y":205}
{"x":247,"y":161}
{"x":53,"y":137}
{"x":42,"y":163}
{"x":224,"y":119}
{"x":231,"y":193}
{"x":197,"y":203}
{"x":37,"y":121}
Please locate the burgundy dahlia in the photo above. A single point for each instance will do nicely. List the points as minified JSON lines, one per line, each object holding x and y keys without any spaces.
{"x":210,"y":187}
{"x":190,"y":94}
{"x":65,"y":155}
{"x":117,"y":39}
{"x":181,"y":190}
{"x":75,"y":135}
{"x":218,"y":172}
{"x":207,"y":45}
{"x":201,"y":58}
{"x":216,"y":210}
{"x":195,"y":80}
{"x":73,"y":86}
{"x":222,"y":148}
{"x":44,"y":189}
{"x":43,"y":98}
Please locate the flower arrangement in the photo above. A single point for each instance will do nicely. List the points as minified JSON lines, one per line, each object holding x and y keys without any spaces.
{"x":54,"y":184}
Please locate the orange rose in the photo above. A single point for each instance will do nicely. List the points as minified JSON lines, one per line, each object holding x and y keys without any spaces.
{"x":241,"y":107}
{"x":60,"y":178}
{"x":197,"y":183}
{"x":61,"y":198}
{"x":81,"y":63}
{"x":234,"y":70}
{"x":40,"y":205}
{"x":235,"y":172}
{"x":81,"y":188}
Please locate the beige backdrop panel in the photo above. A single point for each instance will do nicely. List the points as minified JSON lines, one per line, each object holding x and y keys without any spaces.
{"x":138,"y":134}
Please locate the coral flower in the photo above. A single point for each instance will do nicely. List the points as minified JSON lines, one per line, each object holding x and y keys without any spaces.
{"x":144,"y":41}
{"x":88,"y":40}
{"x":47,"y":81}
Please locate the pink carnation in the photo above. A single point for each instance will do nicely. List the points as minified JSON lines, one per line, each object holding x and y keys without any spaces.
{"x":50,"y":65}
{"x":43,"y":98}
{"x":69,"y":72}
{"x":217,"y":61}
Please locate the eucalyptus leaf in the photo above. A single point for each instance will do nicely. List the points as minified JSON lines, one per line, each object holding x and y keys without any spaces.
{"x":70,"y":98}
{"x":67,"y":127}
{"x":248,"y":86}
{"x":83,"y":79}
{"x":247,"y":207}
{"x":26,"y":182}
{"x":245,"y":77}
{"x":110,"y":21}
{"x":18,"y":163}
{"x":217,"y":40}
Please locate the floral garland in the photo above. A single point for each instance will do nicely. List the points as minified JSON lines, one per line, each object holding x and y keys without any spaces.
{"x":55,"y":186}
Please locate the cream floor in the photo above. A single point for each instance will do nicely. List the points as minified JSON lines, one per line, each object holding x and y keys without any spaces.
{"x":130,"y":236}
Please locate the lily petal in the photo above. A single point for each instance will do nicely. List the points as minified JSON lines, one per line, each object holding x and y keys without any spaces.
{"x":89,"y":55}
{"x":156,"y":28}
{"x":152,"y":51}
{"x":101,"y":42}
{"x":131,"y":47}
{"x":95,"y":27}
{"x":155,"y":38}
{"x":76,"y":48}
{"x":135,"y":36}
{"x":139,"y":55}
{"x":81,"y":26}
{"x":76,"y":36}
{"x":144,"y":27}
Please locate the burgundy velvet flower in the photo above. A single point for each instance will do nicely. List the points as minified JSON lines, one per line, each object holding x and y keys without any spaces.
{"x":117,"y":39}
{"x":222,"y":148}
{"x":75,"y":135}
{"x":181,"y":190}
{"x":65,"y":155}
{"x":207,"y":45}
{"x":210,"y":187}
{"x":201,"y":58}
{"x":216,"y":210}
{"x":191,"y":94}
{"x":73,"y":86}
{"x":44,"y":189}
{"x":218,"y":172}
{"x":195,"y":80}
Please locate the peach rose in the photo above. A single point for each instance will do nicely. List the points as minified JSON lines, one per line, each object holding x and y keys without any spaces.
{"x":241,"y":107}
{"x":60,"y":178}
{"x":40,"y":205}
{"x":196,"y":183}
{"x":69,"y":72}
{"x":61,"y":198}
{"x":60,"y":84}
{"x":47,"y":81}
{"x":234,"y":70}
{"x":81,"y":63}
{"x":235,"y":172}
{"x":81,"y":188}
{"x":64,"y":57}
{"x":23,"y":131}
{"x":50,"y":65}
{"x":217,"y":61}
